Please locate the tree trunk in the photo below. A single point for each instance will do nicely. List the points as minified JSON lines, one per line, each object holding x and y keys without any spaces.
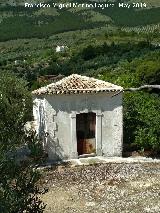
{"x":143,"y":87}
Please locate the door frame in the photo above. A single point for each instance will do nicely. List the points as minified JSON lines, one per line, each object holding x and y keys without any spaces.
{"x":86,"y":124}
{"x":98,"y":133}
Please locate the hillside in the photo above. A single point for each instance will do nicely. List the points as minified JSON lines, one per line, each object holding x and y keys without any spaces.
{"x":152,"y":3}
{"x":34,"y":22}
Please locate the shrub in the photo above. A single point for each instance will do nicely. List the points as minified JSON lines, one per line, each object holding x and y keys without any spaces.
{"x":149,"y":72}
{"x":35,"y":144}
{"x":89,"y":52}
{"x":142,"y":120}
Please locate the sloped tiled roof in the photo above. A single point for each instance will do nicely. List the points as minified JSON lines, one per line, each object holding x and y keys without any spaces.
{"x":74,"y":84}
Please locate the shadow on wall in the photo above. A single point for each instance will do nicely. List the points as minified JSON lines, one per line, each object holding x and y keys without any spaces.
{"x":41,"y":120}
{"x":50,"y":142}
{"x":54,"y":150}
{"x":69,"y":103}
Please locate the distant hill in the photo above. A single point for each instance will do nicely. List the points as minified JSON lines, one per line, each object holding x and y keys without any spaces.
{"x":152,"y":3}
{"x":16,"y":21}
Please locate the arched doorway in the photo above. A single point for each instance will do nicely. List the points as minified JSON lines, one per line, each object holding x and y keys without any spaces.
{"x":85,"y":130}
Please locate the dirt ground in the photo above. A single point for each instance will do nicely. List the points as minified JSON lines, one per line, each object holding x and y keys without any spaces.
{"x":103,"y":188}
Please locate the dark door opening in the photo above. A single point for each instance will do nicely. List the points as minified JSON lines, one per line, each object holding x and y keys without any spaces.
{"x":85,"y":127}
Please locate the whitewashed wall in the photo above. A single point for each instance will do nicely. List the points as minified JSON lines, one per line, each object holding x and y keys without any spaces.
{"x":60,"y":122}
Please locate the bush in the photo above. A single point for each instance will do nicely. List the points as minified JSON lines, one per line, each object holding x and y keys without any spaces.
{"x":149,"y":72}
{"x":35,"y":145}
{"x":89,"y":52}
{"x":19,"y":191}
{"x":142,"y":120}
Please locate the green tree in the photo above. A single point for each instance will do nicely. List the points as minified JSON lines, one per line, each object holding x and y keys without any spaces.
{"x":148,"y":72}
{"x":142,"y":120}
{"x":89,"y":52}
{"x":18,"y":189}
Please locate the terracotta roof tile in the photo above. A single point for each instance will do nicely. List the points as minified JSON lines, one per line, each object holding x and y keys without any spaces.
{"x":77,"y":84}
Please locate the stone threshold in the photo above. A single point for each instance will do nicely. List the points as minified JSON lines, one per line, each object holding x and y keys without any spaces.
{"x":97,"y":160}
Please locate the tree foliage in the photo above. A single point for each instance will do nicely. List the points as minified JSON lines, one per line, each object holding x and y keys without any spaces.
{"x":18,"y":189}
{"x":142,"y":120}
{"x":15,"y":109}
